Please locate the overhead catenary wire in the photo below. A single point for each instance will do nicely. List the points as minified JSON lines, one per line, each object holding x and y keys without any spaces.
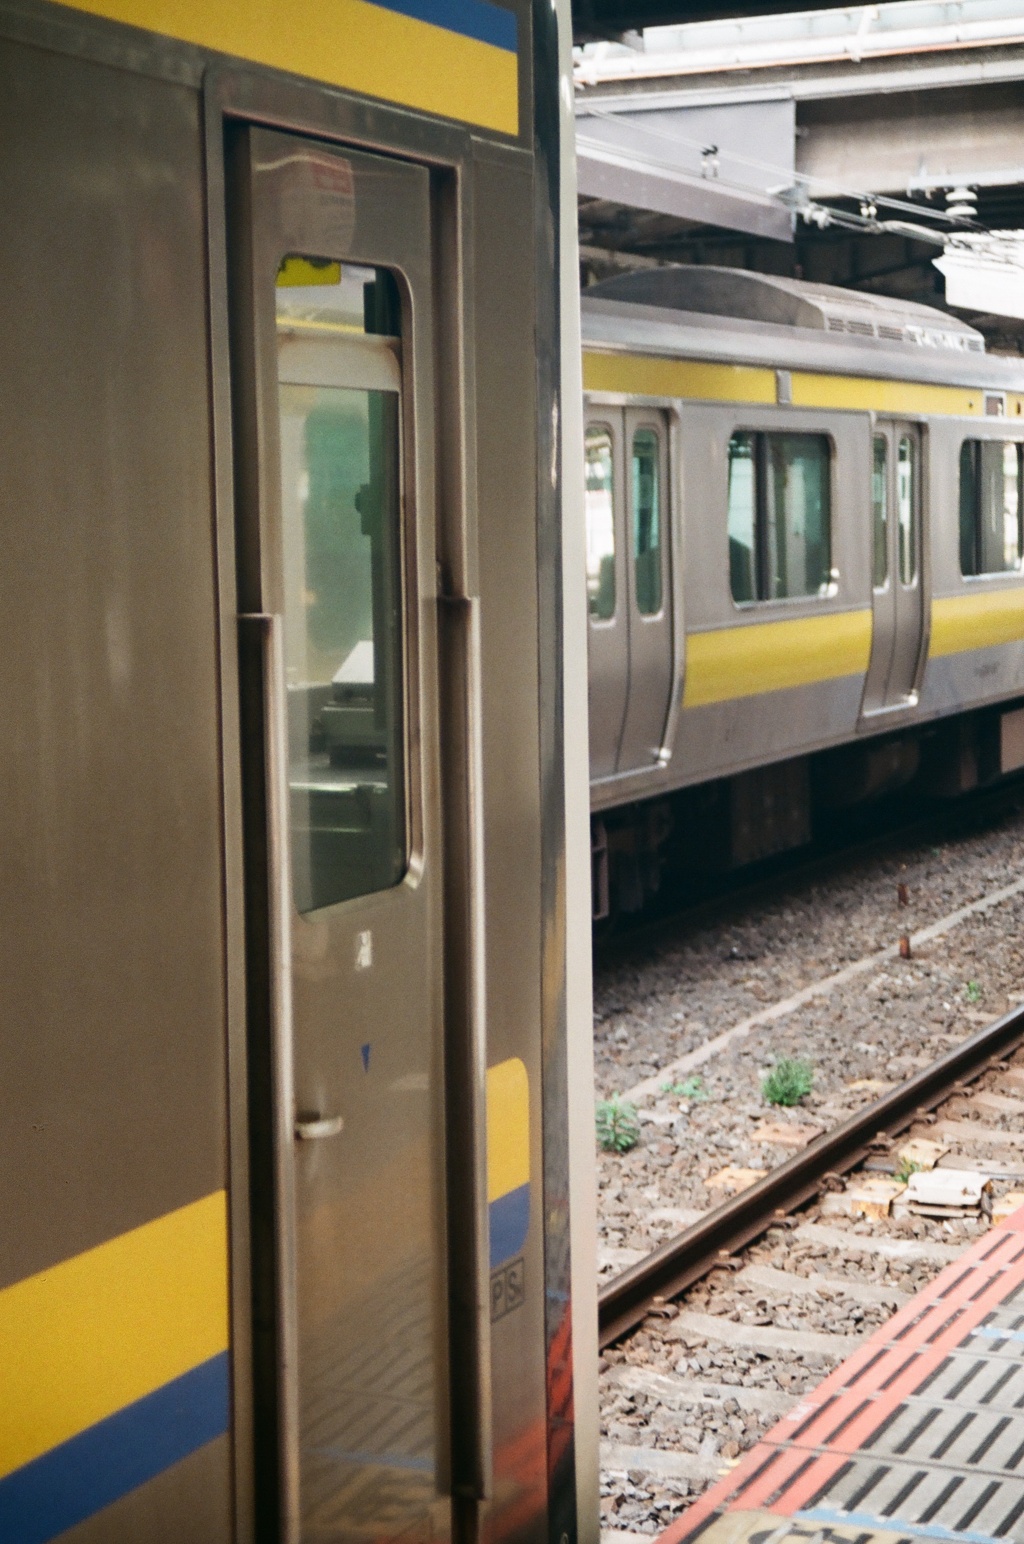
{"x":793,"y":188}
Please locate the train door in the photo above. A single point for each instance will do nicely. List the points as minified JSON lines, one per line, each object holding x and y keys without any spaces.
{"x":897,"y":582}
{"x":905,"y":449}
{"x":607,"y":586}
{"x":336,"y":561}
{"x":649,"y":599}
{"x":883,"y":589}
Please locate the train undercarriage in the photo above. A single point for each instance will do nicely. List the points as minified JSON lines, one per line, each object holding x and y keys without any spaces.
{"x":698,"y":834}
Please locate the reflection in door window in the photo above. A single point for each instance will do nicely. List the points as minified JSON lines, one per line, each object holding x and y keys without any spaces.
{"x":600,"y":514}
{"x":906,"y":507}
{"x":340,"y":502}
{"x":880,"y":511}
{"x":647,"y":521}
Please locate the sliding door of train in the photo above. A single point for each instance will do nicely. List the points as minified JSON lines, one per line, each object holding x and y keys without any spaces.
{"x":608,"y":662}
{"x":629,"y":587}
{"x":338,"y":648}
{"x":897,"y":579}
{"x":650,"y":589}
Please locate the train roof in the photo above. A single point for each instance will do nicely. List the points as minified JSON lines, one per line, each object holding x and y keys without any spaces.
{"x":730,"y":315}
{"x":763,"y":297}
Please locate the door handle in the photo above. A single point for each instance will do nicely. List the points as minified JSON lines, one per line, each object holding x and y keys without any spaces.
{"x":318,"y":1126}
{"x":261,"y":636}
{"x":471,"y":1464}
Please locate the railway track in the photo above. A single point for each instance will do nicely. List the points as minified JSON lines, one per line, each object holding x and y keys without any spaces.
{"x":716,"y":1237}
{"x":868,"y":975}
{"x":771,"y":1302}
{"x":897,"y":977}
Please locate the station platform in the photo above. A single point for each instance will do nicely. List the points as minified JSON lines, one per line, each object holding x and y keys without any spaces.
{"x":918,"y":1435}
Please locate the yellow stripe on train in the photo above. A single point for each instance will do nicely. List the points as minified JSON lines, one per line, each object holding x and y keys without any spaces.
{"x":508,"y":1128}
{"x":348,"y":43}
{"x":903,"y":397}
{"x":84,"y":1338}
{"x":654,"y":375}
{"x":738,"y":661}
{"x":978,"y":621}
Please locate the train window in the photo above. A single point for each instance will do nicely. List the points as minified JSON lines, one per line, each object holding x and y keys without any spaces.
{"x":798,"y":514}
{"x":742,"y":517}
{"x":780,"y":516}
{"x":600,"y":513}
{"x":880,"y":511}
{"x":647,"y":521}
{"x":340,"y":493}
{"x":906,"y":507}
{"x":991,"y":514}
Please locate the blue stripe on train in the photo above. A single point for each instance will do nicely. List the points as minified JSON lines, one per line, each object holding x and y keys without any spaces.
{"x":88,"y":1472}
{"x":477,"y":19}
{"x":510,"y":1218}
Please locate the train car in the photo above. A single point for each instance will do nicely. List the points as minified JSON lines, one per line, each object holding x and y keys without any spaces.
{"x":284,"y":1158}
{"x":805,"y":563}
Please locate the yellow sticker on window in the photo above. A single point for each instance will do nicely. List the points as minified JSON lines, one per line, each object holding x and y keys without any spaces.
{"x":305,"y":272}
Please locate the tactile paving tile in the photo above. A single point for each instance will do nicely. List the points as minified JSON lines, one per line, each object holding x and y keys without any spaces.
{"x":918,"y":1435}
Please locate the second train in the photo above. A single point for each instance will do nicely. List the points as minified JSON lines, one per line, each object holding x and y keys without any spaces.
{"x":805,"y":564}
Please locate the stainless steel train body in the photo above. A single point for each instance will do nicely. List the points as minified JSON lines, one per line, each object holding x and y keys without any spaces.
{"x":835,"y":563}
{"x":285,"y":1250}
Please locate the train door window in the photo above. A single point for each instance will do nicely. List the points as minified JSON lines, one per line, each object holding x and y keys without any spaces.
{"x":742,"y":517}
{"x":970,"y":562}
{"x":906,"y":508}
{"x":880,"y":511}
{"x":600,"y":521}
{"x":341,"y":502}
{"x":647,"y":521}
{"x":780,"y":516}
{"x":798,"y":515}
{"x":991,"y":513}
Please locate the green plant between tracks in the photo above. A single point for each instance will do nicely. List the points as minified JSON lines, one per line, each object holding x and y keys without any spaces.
{"x":789,"y":1081}
{"x":690,"y":1088}
{"x":618,"y":1128}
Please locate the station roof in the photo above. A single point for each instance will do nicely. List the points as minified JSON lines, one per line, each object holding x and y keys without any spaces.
{"x":851,"y":145}
{"x":594,"y":19}
{"x":745,"y":44}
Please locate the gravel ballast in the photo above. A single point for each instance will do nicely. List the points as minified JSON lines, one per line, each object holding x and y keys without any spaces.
{"x":703,"y":1378}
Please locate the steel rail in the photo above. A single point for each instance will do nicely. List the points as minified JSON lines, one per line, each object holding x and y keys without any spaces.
{"x":712,"y":1240}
